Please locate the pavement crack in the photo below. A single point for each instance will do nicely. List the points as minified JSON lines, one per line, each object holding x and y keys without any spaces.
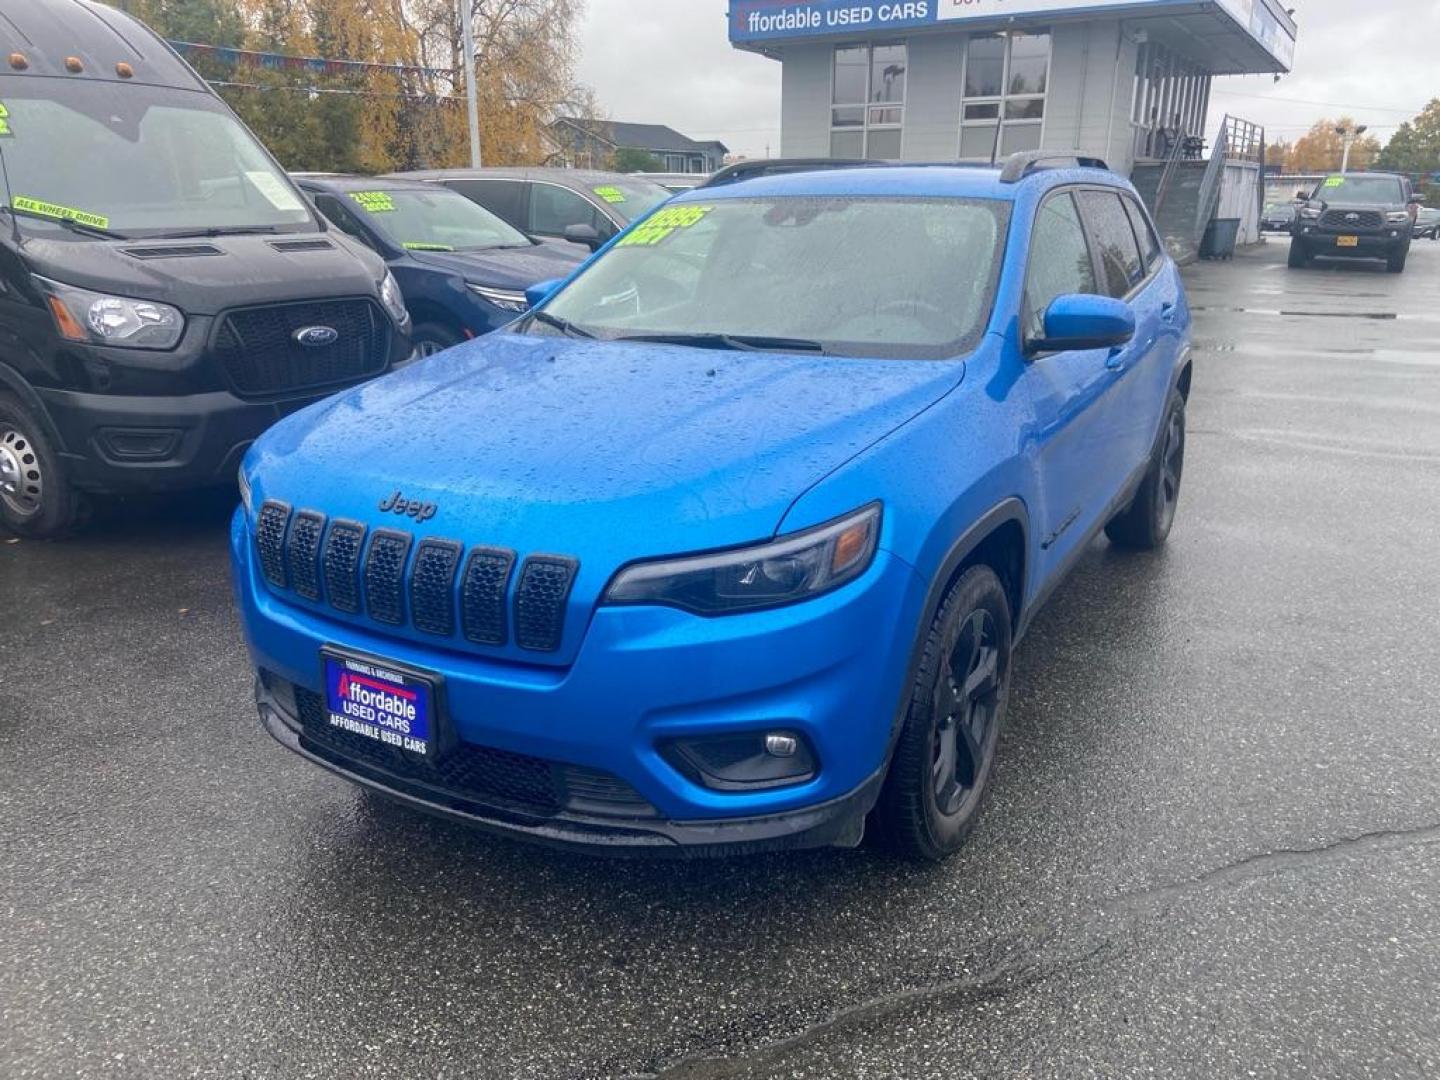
{"x":1272,"y":862}
{"x":1031,"y":966}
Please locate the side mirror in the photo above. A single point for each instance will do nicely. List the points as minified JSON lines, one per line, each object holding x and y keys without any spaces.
{"x":1302,"y":196}
{"x":541,"y":291}
{"x":1417,"y":200}
{"x":1081,"y":321}
{"x":584,"y":234}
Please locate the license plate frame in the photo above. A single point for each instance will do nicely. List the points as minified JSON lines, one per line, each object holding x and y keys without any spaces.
{"x":1347,"y":241}
{"x":399,"y":707}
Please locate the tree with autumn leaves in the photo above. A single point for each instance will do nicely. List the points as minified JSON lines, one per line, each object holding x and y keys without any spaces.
{"x":1322,"y":149}
{"x":380,"y":121}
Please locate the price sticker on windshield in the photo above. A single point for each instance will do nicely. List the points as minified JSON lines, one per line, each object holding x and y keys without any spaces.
{"x":376,"y":202}
{"x":663,"y":224}
{"x":610,"y":194}
{"x":5,"y":131}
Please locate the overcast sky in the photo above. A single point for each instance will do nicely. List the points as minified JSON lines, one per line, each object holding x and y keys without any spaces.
{"x":669,"y":62}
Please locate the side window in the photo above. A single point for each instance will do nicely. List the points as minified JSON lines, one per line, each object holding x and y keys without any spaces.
{"x":554,"y":209}
{"x":503,"y":198}
{"x":1149,"y":243}
{"x":1114,"y":241}
{"x":342,"y":219}
{"x":1060,"y":261}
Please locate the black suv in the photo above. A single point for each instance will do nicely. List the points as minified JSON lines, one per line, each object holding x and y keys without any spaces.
{"x":166,"y":294}
{"x":1355,"y":216}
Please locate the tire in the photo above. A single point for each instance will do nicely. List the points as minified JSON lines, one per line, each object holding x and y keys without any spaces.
{"x":940,"y":773}
{"x":432,"y":337}
{"x":1145,"y":524}
{"x":1299,"y":257}
{"x":36,"y":499}
{"x":1395,"y":261}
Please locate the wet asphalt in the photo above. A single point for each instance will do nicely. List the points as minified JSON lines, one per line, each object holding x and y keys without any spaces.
{"x":1212,"y":849}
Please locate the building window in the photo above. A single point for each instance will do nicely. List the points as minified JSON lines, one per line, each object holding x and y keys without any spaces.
{"x":867,"y":101}
{"x":1006,"y":78}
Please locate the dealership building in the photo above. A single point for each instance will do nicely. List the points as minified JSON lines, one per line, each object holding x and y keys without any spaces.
{"x":974,"y":80}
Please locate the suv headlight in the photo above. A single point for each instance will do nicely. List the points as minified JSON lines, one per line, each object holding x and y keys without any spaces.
{"x":391,"y":298}
{"x":122,"y":321}
{"x":1309,"y":213}
{"x":1398,"y":217}
{"x":767,"y":575}
{"x":504,"y":299}
{"x":245,"y":491}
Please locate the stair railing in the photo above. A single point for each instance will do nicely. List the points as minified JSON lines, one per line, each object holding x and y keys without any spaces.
{"x":1210,"y":185}
{"x":1172,"y":166}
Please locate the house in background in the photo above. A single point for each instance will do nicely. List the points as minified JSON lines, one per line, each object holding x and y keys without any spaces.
{"x":593,"y":144}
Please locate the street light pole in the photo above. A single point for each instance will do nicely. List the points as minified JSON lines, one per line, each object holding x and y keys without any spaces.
{"x":1349,"y":138}
{"x":472,"y":98}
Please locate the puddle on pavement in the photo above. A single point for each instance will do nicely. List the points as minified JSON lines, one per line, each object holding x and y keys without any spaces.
{"x":1380,"y":316}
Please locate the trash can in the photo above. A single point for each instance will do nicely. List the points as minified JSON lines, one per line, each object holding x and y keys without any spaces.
{"x":1219,"y":241}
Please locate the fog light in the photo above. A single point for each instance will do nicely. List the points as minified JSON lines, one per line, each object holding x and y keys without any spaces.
{"x":777,"y":745}
{"x":743,"y":761}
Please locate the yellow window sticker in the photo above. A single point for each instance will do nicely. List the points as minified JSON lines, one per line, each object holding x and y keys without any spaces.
{"x":420,"y":245}
{"x":1335,"y":181}
{"x":377,"y":202}
{"x":5,"y":131}
{"x":60,"y":213}
{"x":661,"y":224}
{"x":610,"y":193}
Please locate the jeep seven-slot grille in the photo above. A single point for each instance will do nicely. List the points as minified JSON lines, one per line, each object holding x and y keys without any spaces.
{"x":260,"y":354}
{"x":432,"y":586}
{"x":479,"y":774}
{"x":1352,"y":219}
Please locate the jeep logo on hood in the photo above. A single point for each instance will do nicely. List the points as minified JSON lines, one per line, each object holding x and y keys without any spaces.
{"x":396,"y":503}
{"x":313,"y":337}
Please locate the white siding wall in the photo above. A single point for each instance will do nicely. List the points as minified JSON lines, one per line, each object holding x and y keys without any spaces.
{"x":932,"y":98}
{"x":805,"y":101}
{"x":1092,"y":76}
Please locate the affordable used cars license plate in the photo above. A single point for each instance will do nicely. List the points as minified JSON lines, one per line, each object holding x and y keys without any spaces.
{"x":1347,"y":241}
{"x":369,"y":698}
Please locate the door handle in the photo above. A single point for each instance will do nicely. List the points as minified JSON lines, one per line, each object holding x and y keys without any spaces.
{"x":1167,"y":312}
{"x":1116,"y":360}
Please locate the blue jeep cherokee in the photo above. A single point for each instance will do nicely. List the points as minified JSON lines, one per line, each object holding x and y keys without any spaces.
{"x":727,"y":544}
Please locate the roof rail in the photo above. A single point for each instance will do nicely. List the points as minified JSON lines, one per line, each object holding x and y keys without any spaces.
{"x":749,"y":170}
{"x":1018,"y":166}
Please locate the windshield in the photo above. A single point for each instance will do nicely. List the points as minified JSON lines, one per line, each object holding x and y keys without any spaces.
{"x":137,"y":160}
{"x":433,"y":220}
{"x":878,"y":277}
{"x":630,"y":197}
{"x":1360,"y":189}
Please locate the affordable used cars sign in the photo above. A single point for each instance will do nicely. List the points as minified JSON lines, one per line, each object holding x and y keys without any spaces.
{"x":767,"y":20}
{"x":762,"y":20}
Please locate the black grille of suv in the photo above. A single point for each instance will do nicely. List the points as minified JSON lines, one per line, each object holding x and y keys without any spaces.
{"x":478,"y":774}
{"x":261,"y":356}
{"x":1352,"y":219}
{"x":431,"y":586}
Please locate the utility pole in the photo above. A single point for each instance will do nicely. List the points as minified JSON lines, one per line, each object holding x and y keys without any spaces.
{"x":1349,"y":137}
{"x":472,"y":97}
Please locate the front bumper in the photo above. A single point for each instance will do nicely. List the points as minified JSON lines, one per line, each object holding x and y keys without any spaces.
{"x":121,"y":445}
{"x":831,"y":669}
{"x":1325,"y":243}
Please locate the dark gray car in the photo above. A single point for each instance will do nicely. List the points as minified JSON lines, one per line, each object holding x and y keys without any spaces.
{"x":578,"y":205}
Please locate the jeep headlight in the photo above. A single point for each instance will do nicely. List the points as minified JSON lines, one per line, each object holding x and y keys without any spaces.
{"x":778,"y":572}
{"x":1398,"y":217}
{"x":391,"y":298}
{"x":1309,"y":213}
{"x":122,"y":321}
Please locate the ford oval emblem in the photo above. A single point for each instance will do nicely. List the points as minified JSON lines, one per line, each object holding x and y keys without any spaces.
{"x":314,"y":337}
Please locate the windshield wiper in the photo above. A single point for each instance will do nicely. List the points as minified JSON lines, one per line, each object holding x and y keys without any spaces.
{"x":218,"y":230}
{"x":565,"y":326}
{"x":737,"y":342}
{"x":71,"y":224}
